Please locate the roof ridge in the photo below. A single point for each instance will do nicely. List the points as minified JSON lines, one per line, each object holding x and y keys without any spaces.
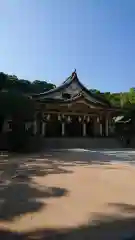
{"x":71,"y":77}
{"x":66,"y":80}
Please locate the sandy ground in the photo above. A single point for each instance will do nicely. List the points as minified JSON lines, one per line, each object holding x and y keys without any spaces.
{"x":92,"y":200}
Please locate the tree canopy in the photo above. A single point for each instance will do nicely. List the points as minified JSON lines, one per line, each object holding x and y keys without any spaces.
{"x":13,"y":83}
{"x":122,"y":99}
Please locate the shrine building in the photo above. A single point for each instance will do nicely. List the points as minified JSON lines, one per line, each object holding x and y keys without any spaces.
{"x":71,"y":110}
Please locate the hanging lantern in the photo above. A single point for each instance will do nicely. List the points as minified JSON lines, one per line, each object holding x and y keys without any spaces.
{"x":79,"y":119}
{"x":63,"y":116}
{"x":69,"y":119}
{"x":97,"y":119}
{"x":59,"y":117}
{"x":48,"y":117}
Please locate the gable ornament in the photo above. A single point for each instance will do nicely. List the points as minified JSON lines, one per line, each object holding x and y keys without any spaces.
{"x":74,"y":74}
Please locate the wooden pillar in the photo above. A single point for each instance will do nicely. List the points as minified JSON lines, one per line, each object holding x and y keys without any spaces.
{"x":101,"y":130}
{"x":35,"y":127}
{"x":80,"y":126}
{"x":97,"y":126}
{"x":68,"y":130}
{"x":61,"y":120}
{"x":84,"y":129}
{"x":100,"y":126}
{"x":111,"y":126}
{"x":106,"y":126}
{"x":43,"y":129}
{"x":63,"y":129}
{"x":46,"y":118}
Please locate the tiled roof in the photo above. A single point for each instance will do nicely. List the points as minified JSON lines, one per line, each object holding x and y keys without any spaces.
{"x":65,"y":84}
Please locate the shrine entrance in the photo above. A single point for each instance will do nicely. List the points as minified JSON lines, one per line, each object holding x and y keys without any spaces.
{"x":90,"y":128}
{"x":73,"y":127}
{"x":53,"y":127}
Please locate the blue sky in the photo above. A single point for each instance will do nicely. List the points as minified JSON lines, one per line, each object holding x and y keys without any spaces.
{"x":47,"y":39}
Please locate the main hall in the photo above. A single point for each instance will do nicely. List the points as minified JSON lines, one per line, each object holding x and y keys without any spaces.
{"x":71,"y":110}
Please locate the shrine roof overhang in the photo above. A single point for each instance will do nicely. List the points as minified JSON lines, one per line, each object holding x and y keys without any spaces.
{"x":80,"y":98}
{"x":75,"y":99}
{"x":69,"y":81}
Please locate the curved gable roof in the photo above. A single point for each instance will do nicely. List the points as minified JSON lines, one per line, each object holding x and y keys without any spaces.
{"x":67,"y":83}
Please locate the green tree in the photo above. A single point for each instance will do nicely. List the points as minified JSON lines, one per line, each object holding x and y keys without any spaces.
{"x":20,"y":109}
{"x":131,"y":95}
{"x":124,"y":100}
{"x":11,"y":82}
{"x":3,"y":80}
{"x":115,"y":99}
{"x":41,"y":86}
{"x":95,"y":91}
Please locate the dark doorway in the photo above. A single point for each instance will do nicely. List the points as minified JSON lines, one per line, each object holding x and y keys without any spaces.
{"x":73,"y":128}
{"x":90,"y":128}
{"x":39,"y":123}
{"x":53,"y":127}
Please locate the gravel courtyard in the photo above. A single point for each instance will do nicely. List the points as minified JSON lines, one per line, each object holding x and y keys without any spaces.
{"x":72,"y":194}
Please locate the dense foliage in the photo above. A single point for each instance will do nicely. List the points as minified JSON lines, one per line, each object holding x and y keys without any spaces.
{"x":122,"y":99}
{"x":16,"y":104}
{"x":126,"y":127}
{"x":12,"y":83}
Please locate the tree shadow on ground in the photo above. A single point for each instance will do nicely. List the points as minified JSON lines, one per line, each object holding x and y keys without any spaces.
{"x":19,"y":193}
{"x":123,"y":207}
{"x":20,"y":198}
{"x":18,"y":190}
{"x":113,"y":227}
